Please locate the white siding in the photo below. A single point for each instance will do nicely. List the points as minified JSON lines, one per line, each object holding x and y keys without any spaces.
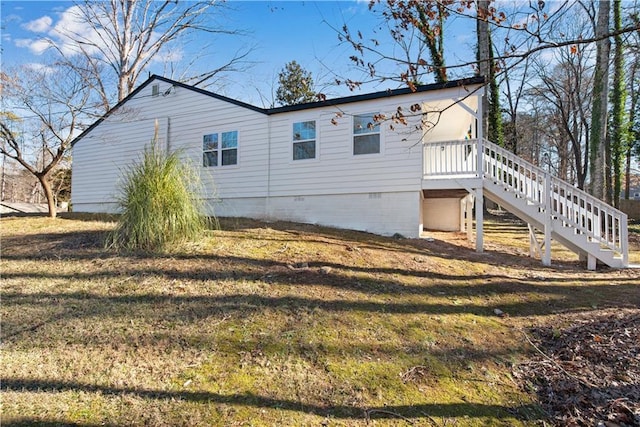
{"x":337,"y":171}
{"x":378,"y":193}
{"x":100,"y":159}
{"x":184,"y":117}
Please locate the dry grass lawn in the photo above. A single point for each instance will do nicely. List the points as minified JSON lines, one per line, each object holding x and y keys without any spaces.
{"x":279,"y":324}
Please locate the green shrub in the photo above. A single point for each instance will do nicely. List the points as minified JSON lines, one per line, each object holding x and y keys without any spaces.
{"x":159,"y":203}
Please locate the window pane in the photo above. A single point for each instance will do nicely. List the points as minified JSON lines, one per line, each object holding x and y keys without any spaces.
{"x":304,"y":130}
{"x":304,"y":150}
{"x":366,"y":144}
{"x":364,"y":123}
{"x":210,"y":142}
{"x":229,"y":157}
{"x":210,"y":158}
{"x":230,"y":139}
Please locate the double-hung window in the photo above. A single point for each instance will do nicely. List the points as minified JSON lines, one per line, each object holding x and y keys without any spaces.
{"x":366,"y":134}
{"x":304,"y":140}
{"x":220,"y":149}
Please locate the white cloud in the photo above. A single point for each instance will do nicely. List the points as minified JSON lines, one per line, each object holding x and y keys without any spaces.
{"x":39,"y":46}
{"x":70,"y":34}
{"x":23,"y":42}
{"x":40,"y":25}
{"x":36,"y":46}
{"x":12,"y":18}
{"x":70,"y":28}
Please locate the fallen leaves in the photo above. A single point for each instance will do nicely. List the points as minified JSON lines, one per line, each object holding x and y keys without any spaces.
{"x":589,"y":373}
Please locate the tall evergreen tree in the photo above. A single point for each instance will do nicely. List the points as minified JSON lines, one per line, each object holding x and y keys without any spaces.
{"x":295,"y":85}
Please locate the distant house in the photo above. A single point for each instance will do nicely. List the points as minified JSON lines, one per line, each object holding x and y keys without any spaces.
{"x":390,"y":162}
{"x":634,"y":186}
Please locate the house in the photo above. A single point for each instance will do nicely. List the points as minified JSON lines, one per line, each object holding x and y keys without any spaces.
{"x":327,"y":162}
{"x":390,"y":162}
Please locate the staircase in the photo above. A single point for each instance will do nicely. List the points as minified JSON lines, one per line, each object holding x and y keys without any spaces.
{"x":555,"y":208}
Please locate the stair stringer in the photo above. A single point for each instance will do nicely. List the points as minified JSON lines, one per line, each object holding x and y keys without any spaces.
{"x":560,"y":231}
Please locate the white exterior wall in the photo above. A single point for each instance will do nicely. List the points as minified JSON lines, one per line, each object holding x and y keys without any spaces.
{"x":379,"y":193}
{"x":336,"y":170}
{"x":184,"y":116}
{"x":100,"y":160}
{"x":380,"y":213}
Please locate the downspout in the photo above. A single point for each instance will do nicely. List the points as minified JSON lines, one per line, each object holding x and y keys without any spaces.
{"x":168,"y":135}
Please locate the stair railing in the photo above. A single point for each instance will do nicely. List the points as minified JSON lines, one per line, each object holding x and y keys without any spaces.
{"x":587,"y":215}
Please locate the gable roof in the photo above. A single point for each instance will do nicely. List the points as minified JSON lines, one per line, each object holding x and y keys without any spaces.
{"x":478,"y":80}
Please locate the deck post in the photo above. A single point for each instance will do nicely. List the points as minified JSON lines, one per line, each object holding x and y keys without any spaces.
{"x":480,"y":159}
{"x":480,"y":174}
{"x":469,"y":211}
{"x":546,"y":256}
{"x":479,"y":220}
{"x":624,"y":239}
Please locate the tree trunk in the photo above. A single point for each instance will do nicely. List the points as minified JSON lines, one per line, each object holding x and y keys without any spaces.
{"x":48,"y":192}
{"x":627,"y":175}
{"x":618,"y":98}
{"x":483,"y":57}
{"x":633,"y":130}
{"x":495,"y":132}
{"x":599,"y":110}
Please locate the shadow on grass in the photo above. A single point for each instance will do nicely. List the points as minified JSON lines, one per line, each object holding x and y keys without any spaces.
{"x":40,"y":422}
{"x":472,"y":410}
{"x":429,"y":293}
{"x":366,"y":280}
{"x":78,"y":245}
{"x":86,"y":305}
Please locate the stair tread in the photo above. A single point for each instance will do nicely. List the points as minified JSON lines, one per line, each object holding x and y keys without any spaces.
{"x":569,"y":235}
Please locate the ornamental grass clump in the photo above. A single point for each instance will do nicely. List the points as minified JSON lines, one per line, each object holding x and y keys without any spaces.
{"x":159,"y":204}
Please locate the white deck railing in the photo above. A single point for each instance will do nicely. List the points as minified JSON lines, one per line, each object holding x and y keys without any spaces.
{"x":450,"y":158}
{"x":597,"y":220}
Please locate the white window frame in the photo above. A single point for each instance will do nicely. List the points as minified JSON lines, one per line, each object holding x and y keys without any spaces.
{"x":215,"y":149}
{"x":376,"y":131}
{"x":219,"y":149}
{"x":316,"y":140}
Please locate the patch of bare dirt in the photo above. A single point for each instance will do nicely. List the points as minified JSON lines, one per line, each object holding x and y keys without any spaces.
{"x":587,"y":373}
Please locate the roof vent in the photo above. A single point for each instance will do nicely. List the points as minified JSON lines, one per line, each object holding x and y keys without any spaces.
{"x":155,"y":90}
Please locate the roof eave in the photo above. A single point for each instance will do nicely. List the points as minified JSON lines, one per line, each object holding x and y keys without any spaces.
{"x":471,"y":81}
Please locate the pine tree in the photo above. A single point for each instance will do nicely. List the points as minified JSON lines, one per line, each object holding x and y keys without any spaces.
{"x":295,"y":85}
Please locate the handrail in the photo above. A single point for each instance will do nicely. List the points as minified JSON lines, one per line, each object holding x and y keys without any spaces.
{"x":597,"y":220}
{"x":554,"y":198}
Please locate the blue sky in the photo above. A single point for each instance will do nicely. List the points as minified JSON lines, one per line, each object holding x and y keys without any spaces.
{"x":277,"y":32}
